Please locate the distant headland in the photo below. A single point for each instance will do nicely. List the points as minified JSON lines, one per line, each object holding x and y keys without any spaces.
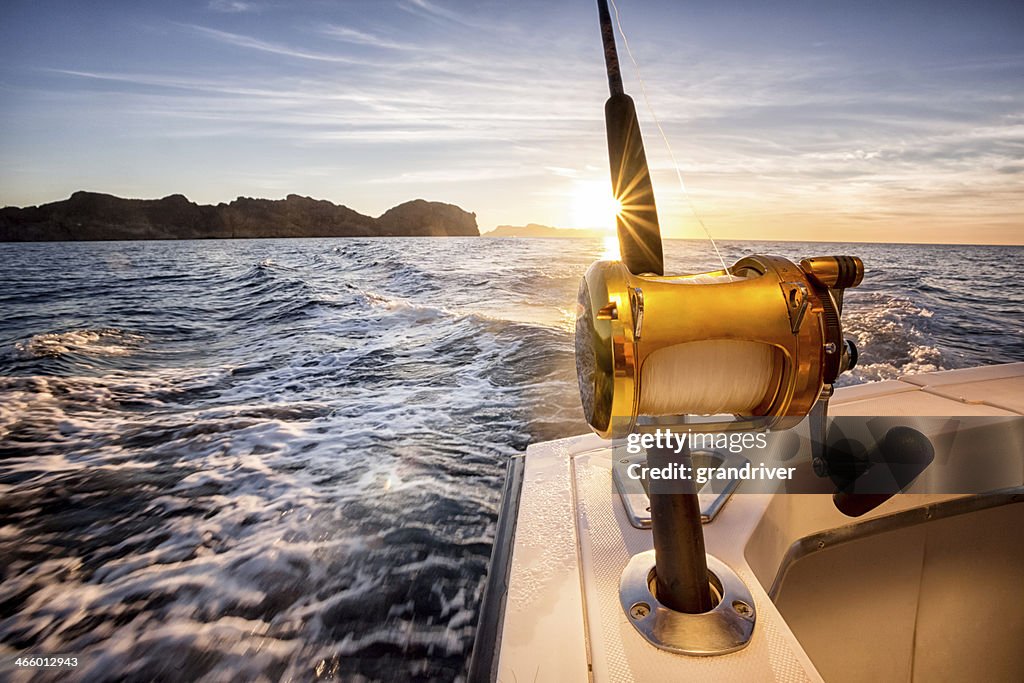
{"x":95,"y":216}
{"x":537,"y":230}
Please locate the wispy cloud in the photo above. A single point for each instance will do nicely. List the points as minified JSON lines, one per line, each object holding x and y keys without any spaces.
{"x":467,"y":174}
{"x":233,"y":6}
{"x":328,"y":110}
{"x":265,"y":93}
{"x":431,"y":10}
{"x":351,"y":35}
{"x":251,"y":43}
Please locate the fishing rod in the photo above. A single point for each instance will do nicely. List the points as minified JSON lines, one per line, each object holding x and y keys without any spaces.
{"x":755,"y":346}
{"x":676,"y":519}
{"x":637,"y":219}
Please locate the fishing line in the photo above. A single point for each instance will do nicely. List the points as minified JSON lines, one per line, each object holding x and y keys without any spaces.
{"x":707,"y":377}
{"x":664,"y":137}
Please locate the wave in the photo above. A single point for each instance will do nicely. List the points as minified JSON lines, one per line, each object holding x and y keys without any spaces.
{"x":891,"y":337}
{"x":202,"y":533}
{"x":106,"y":341}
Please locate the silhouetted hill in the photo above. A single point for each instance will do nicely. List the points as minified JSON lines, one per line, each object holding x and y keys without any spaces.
{"x":537,"y":230}
{"x":95,"y":216}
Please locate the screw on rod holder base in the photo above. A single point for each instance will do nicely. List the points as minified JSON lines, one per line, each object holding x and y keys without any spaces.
{"x":726,"y":627}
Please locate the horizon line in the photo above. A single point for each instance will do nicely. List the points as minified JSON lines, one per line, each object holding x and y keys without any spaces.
{"x":561,"y":229}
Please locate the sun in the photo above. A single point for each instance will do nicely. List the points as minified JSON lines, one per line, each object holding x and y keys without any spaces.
{"x":593,"y":205}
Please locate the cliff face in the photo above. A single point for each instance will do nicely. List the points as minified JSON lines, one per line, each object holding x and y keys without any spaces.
{"x":94,"y":216}
{"x":434,"y":218}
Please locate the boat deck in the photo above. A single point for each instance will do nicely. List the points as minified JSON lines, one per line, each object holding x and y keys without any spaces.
{"x":987,"y":390}
{"x":563,"y":620}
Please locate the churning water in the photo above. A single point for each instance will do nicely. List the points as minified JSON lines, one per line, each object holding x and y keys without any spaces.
{"x":283,"y":458}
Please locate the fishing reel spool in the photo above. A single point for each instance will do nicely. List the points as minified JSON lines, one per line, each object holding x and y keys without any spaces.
{"x":760,"y":341}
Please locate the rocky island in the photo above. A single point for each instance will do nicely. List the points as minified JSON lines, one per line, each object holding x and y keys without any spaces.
{"x":534,"y":230}
{"x":95,"y":216}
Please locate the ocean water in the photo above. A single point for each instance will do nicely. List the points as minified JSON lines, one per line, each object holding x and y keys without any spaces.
{"x":283,"y":458}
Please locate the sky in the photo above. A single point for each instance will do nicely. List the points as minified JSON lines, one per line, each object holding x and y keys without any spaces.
{"x":792,"y":119}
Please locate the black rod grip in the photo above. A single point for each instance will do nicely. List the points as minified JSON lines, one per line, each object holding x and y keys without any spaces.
{"x":637,"y":221}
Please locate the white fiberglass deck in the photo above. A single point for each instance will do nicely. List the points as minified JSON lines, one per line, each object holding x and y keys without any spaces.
{"x":563,"y":621}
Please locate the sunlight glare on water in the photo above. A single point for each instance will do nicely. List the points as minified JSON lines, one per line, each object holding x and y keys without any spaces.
{"x":611,"y":248}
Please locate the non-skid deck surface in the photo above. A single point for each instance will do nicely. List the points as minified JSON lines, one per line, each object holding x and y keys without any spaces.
{"x":988,"y":390}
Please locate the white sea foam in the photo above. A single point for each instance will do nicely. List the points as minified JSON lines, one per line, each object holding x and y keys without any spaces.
{"x":888,"y":332}
{"x":94,"y":342}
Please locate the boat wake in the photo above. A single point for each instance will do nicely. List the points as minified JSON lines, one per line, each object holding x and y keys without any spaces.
{"x":891,"y":335}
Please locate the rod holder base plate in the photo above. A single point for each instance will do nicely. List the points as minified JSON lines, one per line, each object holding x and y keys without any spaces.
{"x":727,"y":627}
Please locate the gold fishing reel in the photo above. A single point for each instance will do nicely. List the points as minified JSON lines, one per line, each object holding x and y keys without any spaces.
{"x":759,"y":341}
